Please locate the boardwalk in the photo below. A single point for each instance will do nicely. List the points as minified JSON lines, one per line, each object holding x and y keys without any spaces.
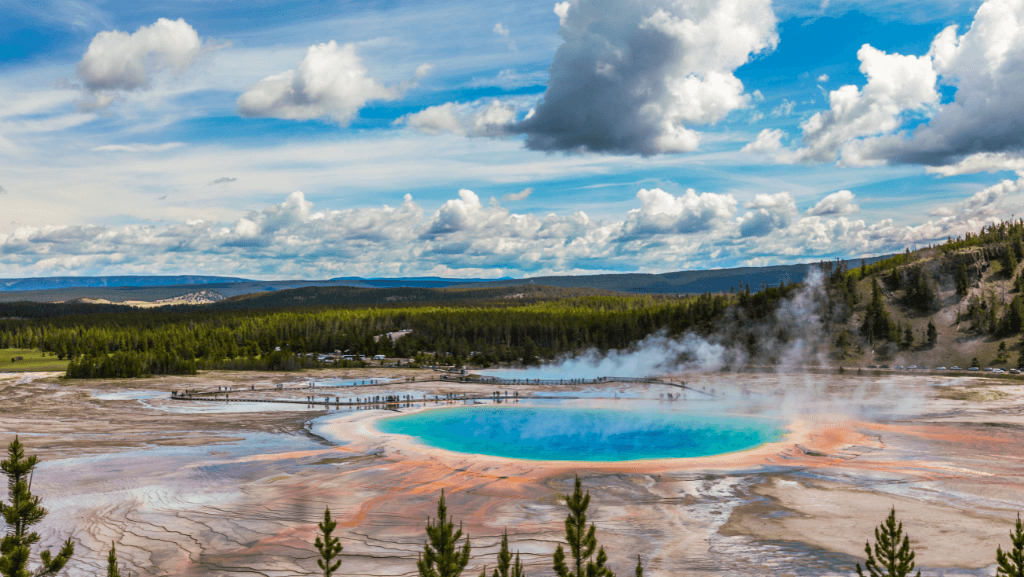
{"x":388,"y":401}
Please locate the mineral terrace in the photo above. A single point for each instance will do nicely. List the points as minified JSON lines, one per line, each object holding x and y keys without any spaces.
{"x":218,"y":488}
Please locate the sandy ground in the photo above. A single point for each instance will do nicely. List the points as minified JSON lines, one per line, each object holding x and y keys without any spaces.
{"x":236,"y":488}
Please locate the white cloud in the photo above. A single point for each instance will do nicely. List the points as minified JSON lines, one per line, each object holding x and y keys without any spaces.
{"x":521,"y":195}
{"x":983,"y":202}
{"x":986,"y":66}
{"x":510,"y":79}
{"x":330,"y":82}
{"x":562,"y":11}
{"x":682,"y":55}
{"x":480,"y":118}
{"x":503,"y":32}
{"x":834,"y":204}
{"x":292,"y":239}
{"x":896,"y":84}
{"x":980,"y":162}
{"x":768,"y":141}
{"x":823,"y":78}
{"x":977,"y":131}
{"x":784,"y":109}
{"x":767,"y":213}
{"x":117,"y":60}
{"x":139,"y":147}
{"x":663,"y":213}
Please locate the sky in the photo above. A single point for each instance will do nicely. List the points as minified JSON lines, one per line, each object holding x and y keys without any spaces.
{"x":308,"y":140}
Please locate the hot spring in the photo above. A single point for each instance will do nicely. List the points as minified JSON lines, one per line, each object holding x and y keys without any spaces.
{"x":582,"y":434}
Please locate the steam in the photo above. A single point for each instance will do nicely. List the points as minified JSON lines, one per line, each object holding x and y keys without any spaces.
{"x":789,"y":342}
{"x":656,"y":354}
{"x":795,"y":335}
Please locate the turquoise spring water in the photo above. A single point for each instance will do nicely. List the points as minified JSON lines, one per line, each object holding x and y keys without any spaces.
{"x":573,"y":434}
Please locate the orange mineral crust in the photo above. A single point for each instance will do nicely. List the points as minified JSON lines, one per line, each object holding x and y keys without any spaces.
{"x":192,"y":488}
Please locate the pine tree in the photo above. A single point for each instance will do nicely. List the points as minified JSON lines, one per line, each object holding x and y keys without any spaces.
{"x":963,"y":283}
{"x":1011,"y":564}
{"x":441,"y":556}
{"x":891,"y":557}
{"x":933,"y":333}
{"x":582,"y":541}
{"x":908,"y":337}
{"x":20,"y":514}
{"x":505,"y":566}
{"x":639,"y":567}
{"x":1009,"y":262}
{"x":329,"y":547}
{"x":112,"y":569}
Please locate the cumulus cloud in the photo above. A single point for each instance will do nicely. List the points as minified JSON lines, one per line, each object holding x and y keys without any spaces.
{"x":768,"y":141}
{"x":823,"y":78}
{"x":330,"y":82}
{"x":986,"y":66}
{"x":663,"y":213}
{"x":521,"y":195}
{"x":766,"y":213}
{"x":632,"y":76}
{"x":118,"y":60}
{"x":664,"y":231}
{"x":834,"y":204}
{"x":222,"y":180}
{"x":896,"y":84}
{"x":480,"y":118}
{"x":978,"y":131}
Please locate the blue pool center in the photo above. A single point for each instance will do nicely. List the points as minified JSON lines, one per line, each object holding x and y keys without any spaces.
{"x":582,"y":434}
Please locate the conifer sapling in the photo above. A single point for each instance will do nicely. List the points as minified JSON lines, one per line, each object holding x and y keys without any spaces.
{"x":20,"y":514}
{"x":112,"y":569}
{"x":1011,"y":563}
{"x":892,"y":555}
{"x":329,"y":547}
{"x":441,"y":555}
{"x":505,"y":566}
{"x":581,"y":540}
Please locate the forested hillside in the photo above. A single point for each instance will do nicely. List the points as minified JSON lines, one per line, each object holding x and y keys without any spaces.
{"x":957,"y":303}
{"x":182,"y":340}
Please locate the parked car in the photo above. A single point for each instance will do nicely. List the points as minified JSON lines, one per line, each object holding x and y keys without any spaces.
{"x":940,"y":368}
{"x":956,"y":368}
{"x":974,"y":369}
{"x":1014,"y":371}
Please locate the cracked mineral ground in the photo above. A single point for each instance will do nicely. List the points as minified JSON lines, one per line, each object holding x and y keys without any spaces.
{"x":236,"y":488}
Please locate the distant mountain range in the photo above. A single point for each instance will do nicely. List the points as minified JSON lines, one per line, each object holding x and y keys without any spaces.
{"x":153,"y":288}
{"x":45,"y":283}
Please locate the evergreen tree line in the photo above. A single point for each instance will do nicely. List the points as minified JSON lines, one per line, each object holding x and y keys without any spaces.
{"x":148,"y":341}
{"x":443,"y":555}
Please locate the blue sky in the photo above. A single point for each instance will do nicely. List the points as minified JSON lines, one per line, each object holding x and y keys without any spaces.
{"x":310,"y":140}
